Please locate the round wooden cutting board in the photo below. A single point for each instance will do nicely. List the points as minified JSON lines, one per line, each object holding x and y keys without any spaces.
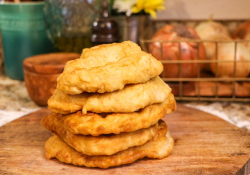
{"x":204,"y":144}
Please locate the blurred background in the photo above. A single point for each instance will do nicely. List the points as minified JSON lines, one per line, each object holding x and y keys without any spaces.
{"x":203,"y":44}
{"x":204,"y":9}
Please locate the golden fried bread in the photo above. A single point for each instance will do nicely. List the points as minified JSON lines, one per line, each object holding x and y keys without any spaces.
{"x":91,"y":145}
{"x":158,"y":147}
{"x":108,"y":107}
{"x":106,"y":53}
{"x":131,"y":98}
{"x":132,"y":69}
{"x":101,"y":55}
{"x":97,"y":124}
{"x":63,"y":103}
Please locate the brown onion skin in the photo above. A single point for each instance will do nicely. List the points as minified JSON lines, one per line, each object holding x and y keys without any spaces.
{"x":189,"y":51}
{"x":242,"y":31}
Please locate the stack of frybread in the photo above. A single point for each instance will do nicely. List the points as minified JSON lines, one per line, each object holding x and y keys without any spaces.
{"x":107,"y":108}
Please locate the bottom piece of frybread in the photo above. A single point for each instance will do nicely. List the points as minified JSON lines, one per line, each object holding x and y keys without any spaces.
{"x":158,"y":147}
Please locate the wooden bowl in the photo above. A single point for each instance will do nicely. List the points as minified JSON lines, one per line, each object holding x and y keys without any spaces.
{"x":41,"y":72}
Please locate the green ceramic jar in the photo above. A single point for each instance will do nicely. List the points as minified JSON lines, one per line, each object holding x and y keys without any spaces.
{"x":23,"y":35}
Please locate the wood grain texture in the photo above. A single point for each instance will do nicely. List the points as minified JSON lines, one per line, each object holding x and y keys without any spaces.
{"x":204,"y":144}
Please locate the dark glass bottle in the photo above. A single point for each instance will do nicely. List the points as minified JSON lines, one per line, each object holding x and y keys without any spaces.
{"x":105,"y":29}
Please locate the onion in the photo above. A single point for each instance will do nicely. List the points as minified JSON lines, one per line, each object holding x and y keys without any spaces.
{"x":189,"y":50}
{"x":226,"y":51}
{"x":211,"y":31}
{"x":211,"y":47}
{"x":210,"y":28}
{"x":242,"y":31}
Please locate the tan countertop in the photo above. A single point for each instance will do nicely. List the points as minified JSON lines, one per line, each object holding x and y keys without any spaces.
{"x":15,"y":102}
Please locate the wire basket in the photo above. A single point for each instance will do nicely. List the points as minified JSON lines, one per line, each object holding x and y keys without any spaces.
{"x":205,"y":85}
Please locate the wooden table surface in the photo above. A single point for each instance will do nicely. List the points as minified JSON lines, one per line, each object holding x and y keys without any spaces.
{"x":204,"y":144}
